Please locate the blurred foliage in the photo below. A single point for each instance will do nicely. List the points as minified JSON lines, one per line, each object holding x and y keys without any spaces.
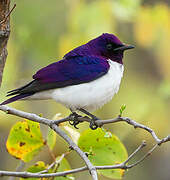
{"x":42,"y":32}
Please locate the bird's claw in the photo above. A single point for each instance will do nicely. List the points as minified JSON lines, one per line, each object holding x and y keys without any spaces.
{"x":74,"y":119}
{"x":93,"y":125}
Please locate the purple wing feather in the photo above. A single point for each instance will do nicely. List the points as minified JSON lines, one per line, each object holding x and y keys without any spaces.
{"x":73,"y":71}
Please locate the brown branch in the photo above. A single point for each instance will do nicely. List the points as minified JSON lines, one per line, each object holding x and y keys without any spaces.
{"x":4,"y":32}
{"x":6,"y":17}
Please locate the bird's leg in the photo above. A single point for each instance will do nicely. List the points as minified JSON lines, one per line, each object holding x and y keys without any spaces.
{"x":93,"y":125}
{"x":74,"y":119}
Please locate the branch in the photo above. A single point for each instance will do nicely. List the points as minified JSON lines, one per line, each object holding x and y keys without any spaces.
{"x":48,"y":122}
{"x":54,"y":125}
{"x":127,"y":120}
{"x":135,"y":125}
{"x":117,"y":166}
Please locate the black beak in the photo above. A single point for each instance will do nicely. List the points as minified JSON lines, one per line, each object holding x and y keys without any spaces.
{"x":124,"y":47}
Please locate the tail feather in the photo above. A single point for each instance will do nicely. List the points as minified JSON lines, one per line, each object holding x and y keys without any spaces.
{"x":13,"y":90}
{"x":15,"y":98}
{"x":13,"y":93}
{"x":17,"y":91}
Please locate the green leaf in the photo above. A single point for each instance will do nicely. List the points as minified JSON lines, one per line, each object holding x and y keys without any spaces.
{"x":104,"y":150}
{"x":122,"y":108}
{"x":25,"y":140}
{"x":64,"y":166}
{"x":51,"y":138}
{"x":39,"y":166}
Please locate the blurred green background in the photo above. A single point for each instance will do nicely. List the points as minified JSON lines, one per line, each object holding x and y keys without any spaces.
{"x":43,"y":31}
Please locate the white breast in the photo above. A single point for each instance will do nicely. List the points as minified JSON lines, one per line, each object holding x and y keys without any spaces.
{"x":89,"y":96}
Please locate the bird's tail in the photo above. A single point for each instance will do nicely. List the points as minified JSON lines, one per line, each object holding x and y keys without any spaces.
{"x":15,"y":98}
{"x":18,"y":94}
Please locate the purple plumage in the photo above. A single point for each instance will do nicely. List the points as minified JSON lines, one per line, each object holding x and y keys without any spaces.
{"x":75,"y":70}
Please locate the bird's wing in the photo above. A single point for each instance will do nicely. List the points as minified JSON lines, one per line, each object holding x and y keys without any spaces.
{"x":64,"y":73}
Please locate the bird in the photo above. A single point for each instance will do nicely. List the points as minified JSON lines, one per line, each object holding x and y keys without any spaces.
{"x":84,"y":80}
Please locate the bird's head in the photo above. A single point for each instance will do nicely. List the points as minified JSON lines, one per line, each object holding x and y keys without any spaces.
{"x":106,"y":46}
{"x":109,"y":46}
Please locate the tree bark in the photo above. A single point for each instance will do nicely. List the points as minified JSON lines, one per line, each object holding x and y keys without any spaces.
{"x":4,"y":34}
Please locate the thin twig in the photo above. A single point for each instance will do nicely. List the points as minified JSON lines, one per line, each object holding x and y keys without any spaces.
{"x":135,"y":152}
{"x":57,"y":162}
{"x":146,"y":155}
{"x":124,"y":164}
{"x":6,"y":17}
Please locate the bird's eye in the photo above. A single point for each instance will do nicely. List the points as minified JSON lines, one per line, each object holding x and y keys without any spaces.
{"x":109,"y":46}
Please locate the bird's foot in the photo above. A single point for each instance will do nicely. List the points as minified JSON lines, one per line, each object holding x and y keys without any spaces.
{"x":93,"y":125}
{"x":74,"y":121}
